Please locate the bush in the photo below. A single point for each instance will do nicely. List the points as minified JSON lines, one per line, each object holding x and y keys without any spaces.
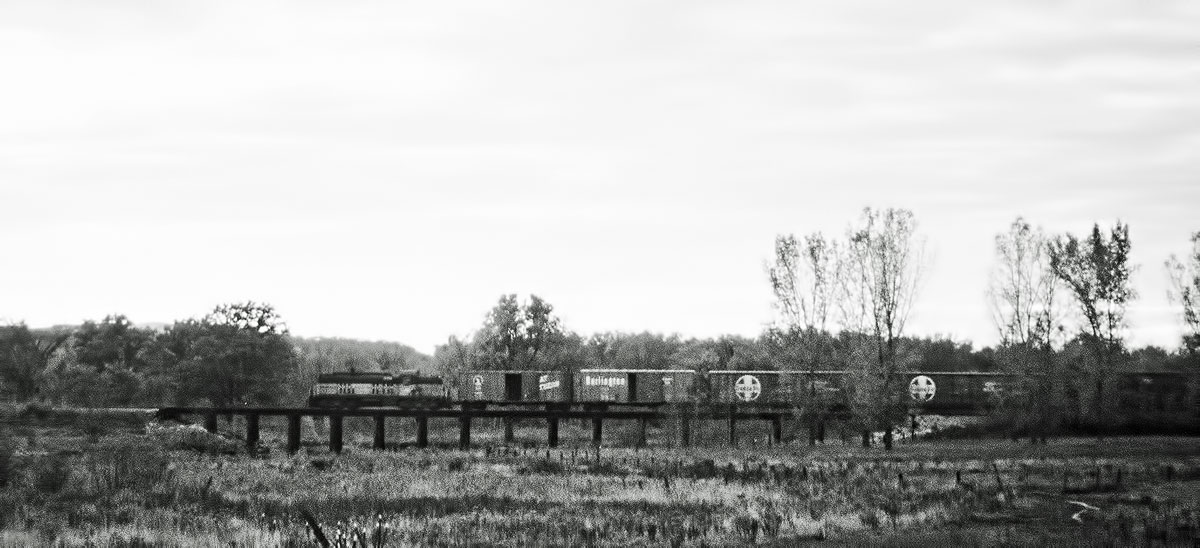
{"x":542,"y":466}
{"x":52,"y":474}
{"x":137,"y":467}
{"x":8,"y":447}
{"x":36,"y":412}
{"x":92,"y":426}
{"x":191,"y":437}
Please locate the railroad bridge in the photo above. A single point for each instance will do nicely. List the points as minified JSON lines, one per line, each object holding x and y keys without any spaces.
{"x":681,"y":415}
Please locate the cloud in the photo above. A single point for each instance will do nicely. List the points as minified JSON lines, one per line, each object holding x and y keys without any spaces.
{"x":628,"y":146}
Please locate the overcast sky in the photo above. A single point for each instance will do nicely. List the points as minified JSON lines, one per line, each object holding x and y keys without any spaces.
{"x":387,"y":170}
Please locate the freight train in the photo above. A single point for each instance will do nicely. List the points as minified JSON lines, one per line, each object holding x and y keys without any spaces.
{"x":930,"y":391}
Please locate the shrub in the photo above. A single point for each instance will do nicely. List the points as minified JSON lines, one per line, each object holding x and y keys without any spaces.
{"x":36,"y":412}
{"x":8,"y":447}
{"x":52,"y":474}
{"x":541,"y":466}
{"x":92,"y":426}
{"x":124,"y":466}
{"x":190,"y":437}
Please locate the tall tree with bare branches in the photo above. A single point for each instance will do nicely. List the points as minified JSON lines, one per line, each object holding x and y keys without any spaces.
{"x":885,"y":258}
{"x":1185,"y":292}
{"x":885,"y":261}
{"x":1022,"y":292}
{"x":805,"y":281}
{"x":1022,"y":288}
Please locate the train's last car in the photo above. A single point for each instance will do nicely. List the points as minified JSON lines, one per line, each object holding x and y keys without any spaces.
{"x":353,"y":389}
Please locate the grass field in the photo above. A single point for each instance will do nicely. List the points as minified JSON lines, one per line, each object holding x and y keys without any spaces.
{"x":118,"y":481}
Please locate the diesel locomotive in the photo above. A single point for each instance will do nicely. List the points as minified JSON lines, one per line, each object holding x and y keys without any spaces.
{"x":405,"y":388}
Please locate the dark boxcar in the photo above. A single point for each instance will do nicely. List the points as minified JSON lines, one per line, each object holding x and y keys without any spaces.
{"x":485,"y":385}
{"x":599,"y":385}
{"x":751,"y":387}
{"x":652,"y":386}
{"x":649,"y":386}
{"x":545,"y":386}
{"x":954,"y":390}
{"x":514,"y":386}
{"x":646,"y":386}
{"x":676,"y":384}
{"x":824,"y":382}
{"x":1148,"y":392}
{"x":799,"y":386}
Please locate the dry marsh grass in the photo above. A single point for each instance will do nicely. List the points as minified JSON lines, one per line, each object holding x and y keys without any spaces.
{"x":182,"y":486}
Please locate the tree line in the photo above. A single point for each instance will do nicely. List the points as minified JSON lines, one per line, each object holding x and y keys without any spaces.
{"x":843,"y":302}
{"x":1059,"y":303}
{"x":238,"y":354}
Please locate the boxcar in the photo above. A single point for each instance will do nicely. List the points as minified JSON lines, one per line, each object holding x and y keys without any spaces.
{"x":648,"y":386}
{"x":601,"y":385}
{"x":512,"y":386}
{"x":751,"y":387}
{"x":676,"y":384}
{"x":954,"y":390}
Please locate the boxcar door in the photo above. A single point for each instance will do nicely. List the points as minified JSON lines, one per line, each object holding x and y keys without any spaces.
{"x":633,"y":391}
{"x":512,"y":386}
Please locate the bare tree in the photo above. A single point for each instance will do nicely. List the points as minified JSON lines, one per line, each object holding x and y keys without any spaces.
{"x":1022,"y":293}
{"x":1096,"y":270}
{"x":885,"y":260}
{"x":806,"y":281}
{"x":1022,"y":288}
{"x":1185,"y":291}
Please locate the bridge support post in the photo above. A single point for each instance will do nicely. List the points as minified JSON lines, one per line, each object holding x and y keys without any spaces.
{"x":777,"y":429}
{"x":685,"y":425}
{"x":641,"y":440}
{"x":422,"y":432}
{"x":552,"y":431}
{"x":914,"y":422}
{"x":733,"y":425}
{"x":251,"y":431}
{"x":380,"y":439}
{"x":597,"y":430}
{"x":508,"y":430}
{"x":210,"y":421}
{"x":335,"y":433}
{"x":293,"y":433}
{"x":464,"y":432}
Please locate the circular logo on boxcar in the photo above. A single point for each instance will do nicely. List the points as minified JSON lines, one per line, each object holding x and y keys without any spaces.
{"x":747,"y":388}
{"x":921,"y":388}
